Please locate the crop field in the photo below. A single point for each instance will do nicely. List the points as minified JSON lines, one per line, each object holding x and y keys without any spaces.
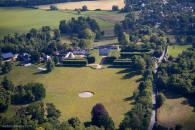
{"x":111,"y":86}
{"x":176,"y":111}
{"x":92,"y":5}
{"x":21,"y":20}
{"x":175,"y":50}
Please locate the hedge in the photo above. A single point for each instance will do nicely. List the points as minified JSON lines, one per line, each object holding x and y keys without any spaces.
{"x":75,"y":62}
{"x":122,"y":62}
{"x":113,"y":55}
{"x":130,"y":54}
{"x":92,"y":56}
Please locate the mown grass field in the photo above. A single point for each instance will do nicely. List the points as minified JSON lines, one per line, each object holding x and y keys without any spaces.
{"x":21,"y":20}
{"x":175,"y":50}
{"x":175,"y":111}
{"x":63,"y":85}
{"x":92,"y":5}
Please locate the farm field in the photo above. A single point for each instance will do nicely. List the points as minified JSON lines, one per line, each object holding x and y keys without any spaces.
{"x":175,"y":50}
{"x":111,"y":86}
{"x":21,"y":20}
{"x":92,"y":5}
{"x":175,"y":111}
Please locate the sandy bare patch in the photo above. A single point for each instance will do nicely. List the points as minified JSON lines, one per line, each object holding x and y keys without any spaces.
{"x":86,"y":94}
{"x":92,"y":5}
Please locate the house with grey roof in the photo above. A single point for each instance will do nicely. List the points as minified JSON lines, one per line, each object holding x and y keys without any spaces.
{"x":7,"y":56}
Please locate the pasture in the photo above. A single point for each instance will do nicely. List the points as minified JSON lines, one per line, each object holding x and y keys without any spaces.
{"x":21,"y":20}
{"x":92,"y":5}
{"x":112,"y":87}
{"x":175,"y":50}
{"x":176,"y":110}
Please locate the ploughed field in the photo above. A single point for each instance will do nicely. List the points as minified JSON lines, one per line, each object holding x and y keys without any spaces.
{"x":110,"y":86}
{"x":92,"y":5}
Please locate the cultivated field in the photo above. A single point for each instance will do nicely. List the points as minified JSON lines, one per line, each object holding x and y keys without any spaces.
{"x":21,"y":20}
{"x":92,"y":5}
{"x":111,"y":86}
{"x":175,"y":50}
{"x":176,"y":110}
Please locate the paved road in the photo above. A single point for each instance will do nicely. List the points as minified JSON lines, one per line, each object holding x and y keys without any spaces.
{"x":153,"y":118}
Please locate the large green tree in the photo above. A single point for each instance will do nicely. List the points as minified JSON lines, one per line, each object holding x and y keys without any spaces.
{"x":50,"y":65}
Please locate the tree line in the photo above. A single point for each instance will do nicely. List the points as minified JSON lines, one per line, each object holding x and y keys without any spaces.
{"x":30,"y":3}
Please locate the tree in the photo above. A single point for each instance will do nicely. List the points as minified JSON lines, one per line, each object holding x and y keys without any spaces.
{"x":85,"y":43}
{"x":37,"y":111}
{"x":56,"y":59}
{"x":84,"y":8}
{"x":37,"y":89}
{"x":52,"y":112}
{"x":88,"y":34}
{"x":118,"y":29}
{"x":160,"y":98}
{"x":123,"y":39}
{"x":35,"y":57}
{"x":115,"y":8}
{"x":57,"y":34}
{"x":7,"y":84}
{"x":100,"y":117}
{"x":50,"y":65}
{"x":64,"y":28}
{"x":53,"y":7}
{"x":106,"y":122}
{"x":6,"y":67}
{"x":74,"y":122}
{"x":139,"y":63}
{"x":5,"y":100}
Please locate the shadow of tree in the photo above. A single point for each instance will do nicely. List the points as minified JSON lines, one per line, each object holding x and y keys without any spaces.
{"x":129,"y":73}
{"x":87,"y":123}
{"x":171,"y":95}
{"x":41,"y":72}
{"x":128,"y":98}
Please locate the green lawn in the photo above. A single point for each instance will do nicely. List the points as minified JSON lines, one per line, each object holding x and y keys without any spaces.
{"x":21,"y":20}
{"x":175,"y":50}
{"x":174,"y":111}
{"x":64,"y":84}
